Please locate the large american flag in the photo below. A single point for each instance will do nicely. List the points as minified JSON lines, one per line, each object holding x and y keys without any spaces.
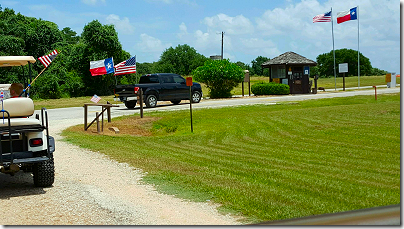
{"x":126,"y":67}
{"x":47,"y":59}
{"x":322,"y":17}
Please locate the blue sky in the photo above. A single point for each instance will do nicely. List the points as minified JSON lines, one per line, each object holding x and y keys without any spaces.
{"x":252,"y":28}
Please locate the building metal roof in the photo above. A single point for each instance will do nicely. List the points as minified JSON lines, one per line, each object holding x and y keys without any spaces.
{"x":289,"y":58}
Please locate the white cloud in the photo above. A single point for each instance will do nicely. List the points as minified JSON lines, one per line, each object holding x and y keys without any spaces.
{"x":293,"y":18}
{"x":230,"y":25}
{"x":92,"y":2}
{"x":151,"y":45}
{"x":122,"y":26}
{"x":202,"y":40}
{"x":260,"y":47}
{"x":183,"y":34}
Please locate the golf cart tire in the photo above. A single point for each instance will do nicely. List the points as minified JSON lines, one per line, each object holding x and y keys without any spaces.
{"x":44,"y":173}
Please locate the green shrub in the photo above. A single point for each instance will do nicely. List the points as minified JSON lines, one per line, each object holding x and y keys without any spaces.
{"x":270,"y":89}
{"x":219,"y":76}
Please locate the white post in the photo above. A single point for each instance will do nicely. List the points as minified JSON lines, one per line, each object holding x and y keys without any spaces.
{"x":333,"y":49}
{"x":359,"y":66}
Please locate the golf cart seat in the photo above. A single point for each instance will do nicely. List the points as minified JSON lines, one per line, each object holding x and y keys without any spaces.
{"x":19,"y":109}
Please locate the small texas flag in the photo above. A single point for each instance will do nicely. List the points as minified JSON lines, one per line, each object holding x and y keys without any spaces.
{"x":102,"y":67}
{"x":95,"y":99}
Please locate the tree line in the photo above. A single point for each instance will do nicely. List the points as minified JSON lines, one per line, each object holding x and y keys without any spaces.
{"x":69,"y":76}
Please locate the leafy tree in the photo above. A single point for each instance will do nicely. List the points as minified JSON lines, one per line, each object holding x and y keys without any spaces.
{"x":70,"y":36}
{"x":378,"y":72}
{"x":256,"y":68}
{"x":325,"y":63}
{"x":41,"y":37}
{"x":145,"y":68}
{"x":220,"y":77}
{"x":11,"y":46}
{"x":98,"y":42}
{"x":182,"y":60}
{"x":242,"y":65}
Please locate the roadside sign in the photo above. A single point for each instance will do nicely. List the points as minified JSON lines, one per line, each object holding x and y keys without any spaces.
{"x":246,"y":76}
{"x":189,"y":81}
{"x":306,"y":70}
{"x":342,"y":68}
{"x":388,"y":77}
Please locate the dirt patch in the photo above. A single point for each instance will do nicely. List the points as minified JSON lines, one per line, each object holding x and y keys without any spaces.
{"x":134,"y":126}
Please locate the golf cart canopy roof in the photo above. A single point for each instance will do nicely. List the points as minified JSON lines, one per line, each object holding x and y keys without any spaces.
{"x":7,"y":61}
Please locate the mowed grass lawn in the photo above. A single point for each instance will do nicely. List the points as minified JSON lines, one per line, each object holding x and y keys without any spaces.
{"x":269,"y":162}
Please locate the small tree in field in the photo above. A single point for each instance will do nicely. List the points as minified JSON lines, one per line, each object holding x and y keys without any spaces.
{"x":220,"y":77}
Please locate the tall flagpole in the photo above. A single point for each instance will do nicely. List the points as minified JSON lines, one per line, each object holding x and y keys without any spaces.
{"x":359,"y":72}
{"x":333,"y":49}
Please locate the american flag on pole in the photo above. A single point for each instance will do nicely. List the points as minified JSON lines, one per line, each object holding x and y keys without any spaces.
{"x":46,"y":60}
{"x":322,"y":17}
{"x":95,"y":99}
{"x":126,"y":67}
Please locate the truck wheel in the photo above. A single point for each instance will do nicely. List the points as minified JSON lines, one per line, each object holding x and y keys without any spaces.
{"x":44,"y":173}
{"x":196,"y":97}
{"x":151,"y":101}
{"x":175,"y":101}
{"x":130,"y":104}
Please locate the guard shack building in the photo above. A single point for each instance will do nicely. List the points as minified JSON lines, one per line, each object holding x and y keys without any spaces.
{"x":289,"y":68}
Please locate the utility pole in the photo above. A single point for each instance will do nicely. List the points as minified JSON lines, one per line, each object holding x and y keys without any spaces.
{"x":222,"y":44}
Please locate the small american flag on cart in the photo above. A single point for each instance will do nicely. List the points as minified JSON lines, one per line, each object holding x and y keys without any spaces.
{"x":95,"y":99}
{"x":126,"y":67}
{"x":47,"y":59}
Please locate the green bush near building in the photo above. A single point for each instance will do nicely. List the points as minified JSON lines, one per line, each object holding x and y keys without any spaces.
{"x":270,"y":89}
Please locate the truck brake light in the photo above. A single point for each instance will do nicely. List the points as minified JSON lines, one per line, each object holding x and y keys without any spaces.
{"x":136,"y":90}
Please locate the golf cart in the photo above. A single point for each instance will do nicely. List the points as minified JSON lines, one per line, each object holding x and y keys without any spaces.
{"x":25,"y":142}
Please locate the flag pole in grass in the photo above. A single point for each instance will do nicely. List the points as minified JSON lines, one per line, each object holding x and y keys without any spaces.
{"x":359,"y":66}
{"x":327,"y":17}
{"x":333,"y":49}
{"x":352,"y":14}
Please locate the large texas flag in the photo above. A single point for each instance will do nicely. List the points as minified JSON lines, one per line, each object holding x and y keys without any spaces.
{"x":102,"y":67}
{"x":348,"y":15}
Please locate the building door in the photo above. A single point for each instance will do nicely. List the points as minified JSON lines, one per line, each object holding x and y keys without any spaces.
{"x":297,"y":81}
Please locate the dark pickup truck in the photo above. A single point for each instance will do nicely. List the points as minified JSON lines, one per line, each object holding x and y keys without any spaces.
{"x":158,"y":87}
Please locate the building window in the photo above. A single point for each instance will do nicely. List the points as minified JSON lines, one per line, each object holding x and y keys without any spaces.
{"x":278,"y":71}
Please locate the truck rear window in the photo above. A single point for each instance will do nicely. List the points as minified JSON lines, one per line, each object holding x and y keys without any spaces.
{"x":148,"y":79}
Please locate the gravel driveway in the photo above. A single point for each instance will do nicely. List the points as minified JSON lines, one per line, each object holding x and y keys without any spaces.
{"x":91,"y":189}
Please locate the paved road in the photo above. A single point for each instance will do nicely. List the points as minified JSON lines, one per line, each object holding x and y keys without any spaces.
{"x":75,"y":115}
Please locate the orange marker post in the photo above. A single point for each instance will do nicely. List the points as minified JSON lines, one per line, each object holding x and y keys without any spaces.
{"x":189,"y":83}
{"x":375,"y":93}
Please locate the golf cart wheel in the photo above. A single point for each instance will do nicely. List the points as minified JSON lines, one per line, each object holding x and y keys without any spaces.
{"x":151,"y":101}
{"x":44,"y":173}
{"x":130,"y":104}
